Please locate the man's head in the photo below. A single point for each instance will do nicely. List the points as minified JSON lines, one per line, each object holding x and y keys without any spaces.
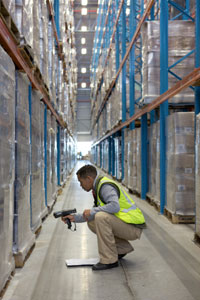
{"x":86,"y":176}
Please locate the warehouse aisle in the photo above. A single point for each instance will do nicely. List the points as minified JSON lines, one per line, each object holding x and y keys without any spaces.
{"x":164,"y":266}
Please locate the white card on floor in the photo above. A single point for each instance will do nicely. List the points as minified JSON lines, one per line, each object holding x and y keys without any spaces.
{"x":76,"y":262}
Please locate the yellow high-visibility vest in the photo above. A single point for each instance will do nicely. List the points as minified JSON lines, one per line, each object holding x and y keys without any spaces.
{"x":128,"y":213}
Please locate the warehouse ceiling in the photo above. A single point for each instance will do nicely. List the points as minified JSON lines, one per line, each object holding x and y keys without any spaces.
{"x":85,"y":14}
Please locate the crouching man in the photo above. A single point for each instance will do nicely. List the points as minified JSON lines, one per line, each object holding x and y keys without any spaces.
{"x":115,"y":219}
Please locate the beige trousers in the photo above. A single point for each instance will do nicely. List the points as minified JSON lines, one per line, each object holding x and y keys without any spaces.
{"x":112,"y":236}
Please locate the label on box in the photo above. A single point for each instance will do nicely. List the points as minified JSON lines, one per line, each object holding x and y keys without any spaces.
{"x":181,"y":187}
{"x":188,"y":129}
{"x":181,"y":148}
{"x":188,"y":170}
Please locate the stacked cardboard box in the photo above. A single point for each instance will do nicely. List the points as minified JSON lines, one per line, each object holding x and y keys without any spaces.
{"x":180,"y":164}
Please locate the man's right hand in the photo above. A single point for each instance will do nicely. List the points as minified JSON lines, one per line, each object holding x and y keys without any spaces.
{"x":71,"y":217}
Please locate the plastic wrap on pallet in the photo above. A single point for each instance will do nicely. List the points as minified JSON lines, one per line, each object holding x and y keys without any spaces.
{"x":132,"y":159}
{"x":68,"y":147}
{"x":63,"y":160}
{"x":24,"y":20}
{"x":49,"y":167}
{"x":56,"y":70}
{"x":105,"y":155}
{"x":36,"y":161}
{"x":36,"y":32}
{"x":43,"y":204}
{"x":116,"y":105}
{"x":126,"y":166}
{"x":118,"y":157}
{"x":152,"y":159}
{"x":43,"y":42}
{"x":181,"y":42}
{"x":180,"y":164}
{"x":197,"y":176}
{"x":138,"y":153}
{"x":54,"y":155}
{"x":154,"y":162}
{"x":51,"y":52}
{"x":10,"y":5}
{"x":7,"y":164}
{"x":23,"y":238}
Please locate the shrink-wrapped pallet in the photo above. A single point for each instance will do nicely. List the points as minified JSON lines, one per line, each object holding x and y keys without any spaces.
{"x":43,"y":40}
{"x":126,"y":166}
{"x":197,"y":176}
{"x":118,"y":157}
{"x":132,"y":160}
{"x":180,"y":164}
{"x":7,"y":164}
{"x":157,"y":190}
{"x":36,"y":32}
{"x":105,"y":155}
{"x":36,"y":161}
{"x":24,"y":19}
{"x":180,"y":42}
{"x":63,"y":160}
{"x":23,"y":238}
{"x":152,"y":160}
{"x":43,"y":202}
{"x":54,"y":155}
{"x":48,"y":162}
{"x":138,"y":155}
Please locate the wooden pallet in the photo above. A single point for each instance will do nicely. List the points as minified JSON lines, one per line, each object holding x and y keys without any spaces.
{"x":25,"y":51}
{"x":7,"y":19}
{"x":20,"y":259}
{"x":134,"y":192}
{"x":179,"y":219}
{"x":197,"y":239}
{"x":153,"y":202}
{"x":38,"y":76}
{"x":2,"y":292}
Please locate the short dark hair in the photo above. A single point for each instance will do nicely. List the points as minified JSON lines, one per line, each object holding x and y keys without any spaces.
{"x":87,"y":170}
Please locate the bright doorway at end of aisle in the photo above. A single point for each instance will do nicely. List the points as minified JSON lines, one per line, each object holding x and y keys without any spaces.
{"x":83,"y":150}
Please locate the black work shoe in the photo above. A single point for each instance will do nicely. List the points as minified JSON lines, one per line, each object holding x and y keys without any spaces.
{"x":99,"y":266}
{"x":121,"y":255}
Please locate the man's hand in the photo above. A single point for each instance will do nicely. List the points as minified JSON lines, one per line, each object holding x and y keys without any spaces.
{"x":71,"y":217}
{"x":86,"y":214}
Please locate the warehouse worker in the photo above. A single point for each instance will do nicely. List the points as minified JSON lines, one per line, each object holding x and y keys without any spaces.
{"x":114,"y":218}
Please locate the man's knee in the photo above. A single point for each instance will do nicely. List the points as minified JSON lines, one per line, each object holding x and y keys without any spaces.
{"x":91,"y":225}
{"x":101,"y":216}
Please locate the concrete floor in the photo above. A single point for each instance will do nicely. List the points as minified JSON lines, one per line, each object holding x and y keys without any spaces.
{"x":164,"y":266}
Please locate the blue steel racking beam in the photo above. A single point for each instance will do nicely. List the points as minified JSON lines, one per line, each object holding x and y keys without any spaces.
{"x":123,"y":17}
{"x":57,"y":16}
{"x":163,"y":106}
